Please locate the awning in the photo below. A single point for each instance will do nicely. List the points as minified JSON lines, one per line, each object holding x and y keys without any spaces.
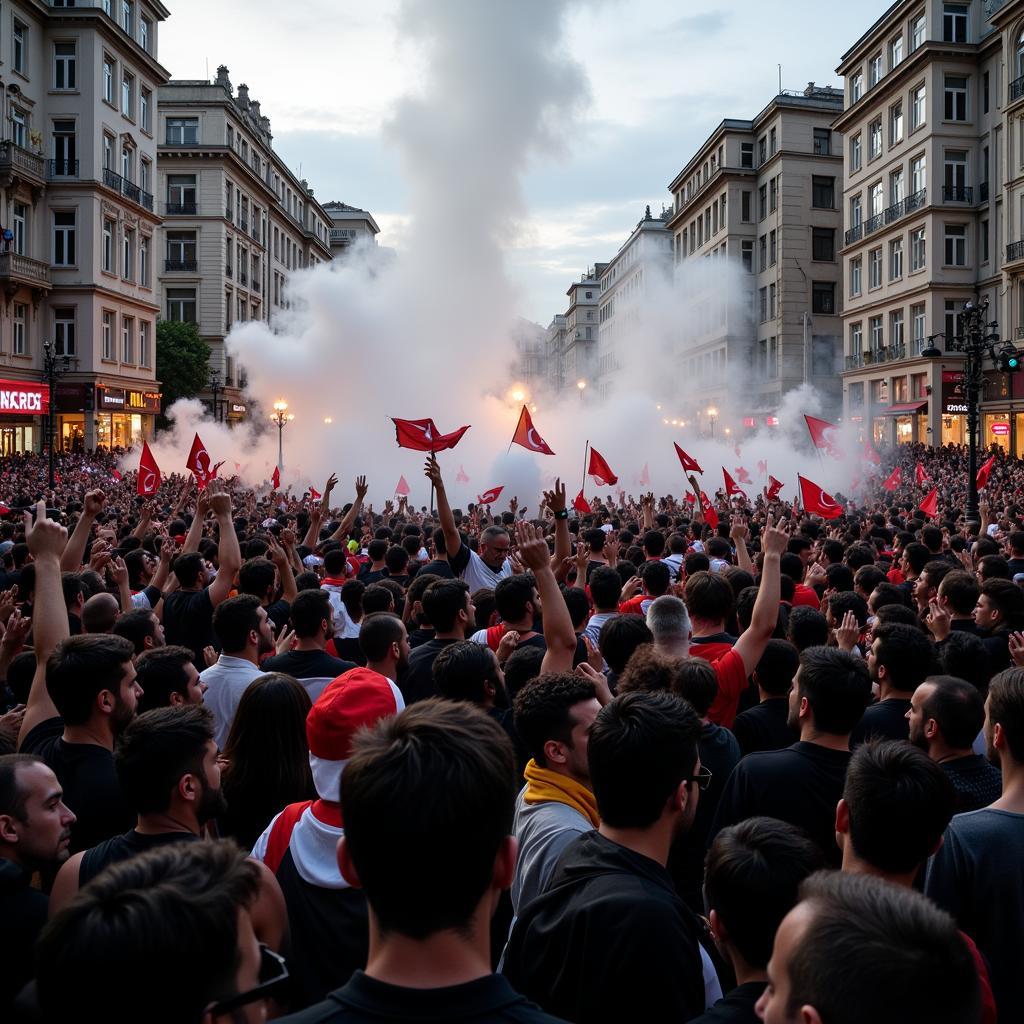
{"x":903,"y":409}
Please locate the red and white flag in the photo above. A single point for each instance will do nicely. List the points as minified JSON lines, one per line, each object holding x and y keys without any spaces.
{"x":870,"y":454}
{"x":823,"y":435}
{"x":314,"y":494}
{"x":115,"y":474}
{"x":645,"y":477}
{"x":920,"y":476}
{"x":402,"y":487}
{"x":460,"y":477}
{"x":423,"y":435}
{"x":710,"y":515}
{"x":689,"y":465}
{"x":817,"y":501}
{"x":275,"y":480}
{"x":526,"y":435}
{"x":774,"y":488}
{"x":930,"y":505}
{"x":199,"y":462}
{"x":985,"y":472}
{"x":581,"y":504}
{"x":600,"y":470}
{"x":743,"y":476}
{"x":490,"y":497}
{"x":894,"y":479}
{"x":149,"y":472}
{"x":731,"y":487}
{"x":216,"y":467}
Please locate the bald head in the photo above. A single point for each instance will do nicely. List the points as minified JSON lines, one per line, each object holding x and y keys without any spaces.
{"x":100,"y":613}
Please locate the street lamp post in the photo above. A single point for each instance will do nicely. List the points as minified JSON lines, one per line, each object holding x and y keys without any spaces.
{"x":216,"y":388}
{"x":712,"y":413}
{"x":581,"y":384}
{"x":54,"y":367}
{"x":281,"y":416}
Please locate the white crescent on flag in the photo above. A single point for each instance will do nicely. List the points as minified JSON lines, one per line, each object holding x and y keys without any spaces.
{"x":535,"y":439}
{"x":149,"y":481}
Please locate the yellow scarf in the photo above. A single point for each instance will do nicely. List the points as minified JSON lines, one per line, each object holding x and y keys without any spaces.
{"x":542,"y":785}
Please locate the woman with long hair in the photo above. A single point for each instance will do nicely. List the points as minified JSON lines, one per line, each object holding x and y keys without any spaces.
{"x":266,"y":758}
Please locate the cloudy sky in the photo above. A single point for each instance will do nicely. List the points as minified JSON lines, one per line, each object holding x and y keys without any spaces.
{"x":661,"y":75}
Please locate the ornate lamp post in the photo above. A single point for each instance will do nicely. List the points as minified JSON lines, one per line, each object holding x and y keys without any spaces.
{"x":281,"y":416}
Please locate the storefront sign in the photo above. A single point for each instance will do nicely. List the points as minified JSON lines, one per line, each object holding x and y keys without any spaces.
{"x":22,"y":398}
{"x":237,"y":408}
{"x":111,"y":398}
{"x":749,"y":421}
{"x":772,"y":421}
{"x":954,"y":399}
{"x":146,"y":401}
{"x":1001,"y":429}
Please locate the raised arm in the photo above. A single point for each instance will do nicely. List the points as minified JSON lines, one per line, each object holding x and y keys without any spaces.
{"x":144,"y":519}
{"x":452,"y":540}
{"x":559,"y":635}
{"x":738,"y":535}
{"x":46,"y":540}
{"x":754,"y":639}
{"x":195,"y":531}
{"x":647,"y":504}
{"x":345,"y":527}
{"x":71,"y":558}
{"x":279,"y":557}
{"x":229,"y":554}
{"x":555,"y":500}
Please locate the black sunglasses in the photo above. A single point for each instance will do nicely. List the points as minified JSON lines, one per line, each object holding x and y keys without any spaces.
{"x":702,"y":778}
{"x":273,"y":981}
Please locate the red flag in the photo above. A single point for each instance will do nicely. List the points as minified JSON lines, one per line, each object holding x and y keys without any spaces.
{"x":315,"y":494}
{"x":149,"y":472}
{"x":710,"y":515}
{"x":580,"y":503}
{"x":527,"y":436}
{"x":199,"y":462}
{"x":985,"y":472}
{"x":276,"y":478}
{"x":600,"y":470}
{"x":762,"y":467}
{"x":689,"y":465}
{"x":742,"y":475}
{"x":402,"y":487}
{"x":490,"y":497}
{"x":645,"y":477}
{"x":920,"y":476}
{"x":823,"y":434}
{"x":930,"y":505}
{"x":116,"y":475}
{"x":460,"y":477}
{"x":690,"y":499}
{"x":816,"y":501}
{"x":894,"y":480}
{"x":774,"y":488}
{"x":423,"y":435}
{"x":870,"y":455}
{"x":213,"y":472}
{"x":730,"y":484}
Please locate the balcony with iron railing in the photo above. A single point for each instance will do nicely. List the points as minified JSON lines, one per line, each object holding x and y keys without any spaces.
{"x":181,"y":209}
{"x":1016,"y":89}
{"x":957,"y":194}
{"x":854,"y":361}
{"x":19,"y":163}
{"x":888,"y":216}
{"x":187,"y":266}
{"x":127,"y":189}
{"x":1015,"y":252}
{"x":854,"y":234}
{"x":16,"y":268}
{"x":62,"y":168}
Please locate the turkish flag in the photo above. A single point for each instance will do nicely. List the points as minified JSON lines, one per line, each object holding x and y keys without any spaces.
{"x":920,"y":476}
{"x":762,"y":467}
{"x":870,"y":455}
{"x":645,"y":477}
{"x":490,"y":497}
{"x":460,"y":477}
{"x":116,"y":475}
{"x":276,"y":478}
{"x":816,"y":501}
{"x":580,"y":503}
{"x":315,"y":494}
{"x":689,"y":465}
{"x":600,"y":470}
{"x":985,"y":472}
{"x":527,"y":436}
{"x":213,"y":472}
{"x":894,"y":479}
{"x":930,"y":505}
{"x":730,"y":484}
{"x":149,"y":472}
{"x":774,"y":488}
{"x":423,"y":435}
{"x":402,"y":487}
{"x":199,"y":462}
{"x":823,"y":435}
{"x":742,"y":475}
{"x":710,"y":515}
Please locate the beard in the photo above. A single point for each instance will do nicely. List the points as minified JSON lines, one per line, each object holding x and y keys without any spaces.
{"x":917,"y":738}
{"x":212,"y":804}
{"x":122,"y":716}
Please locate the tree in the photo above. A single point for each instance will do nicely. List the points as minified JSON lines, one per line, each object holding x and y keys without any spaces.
{"x":182,"y":360}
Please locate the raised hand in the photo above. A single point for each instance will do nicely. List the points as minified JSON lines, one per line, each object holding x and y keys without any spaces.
{"x":848,"y":632}
{"x":775,"y":538}
{"x":509,"y":642}
{"x":938,"y":621}
{"x":555,"y":498}
{"x":1015,"y":641}
{"x":432,"y":471}
{"x":94,"y":502}
{"x":738,"y":529}
{"x":532,"y":548}
{"x":44,"y":536}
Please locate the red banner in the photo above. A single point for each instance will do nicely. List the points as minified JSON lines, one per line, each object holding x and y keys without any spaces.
{"x":24,"y":398}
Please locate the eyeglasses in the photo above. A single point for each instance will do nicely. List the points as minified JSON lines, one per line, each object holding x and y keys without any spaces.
{"x":273,"y":981}
{"x":702,"y":778}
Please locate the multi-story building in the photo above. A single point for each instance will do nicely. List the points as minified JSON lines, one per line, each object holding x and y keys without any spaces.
{"x":762,"y":194}
{"x":555,"y":344}
{"x":578,"y":360}
{"x":237,"y":221}
{"x":636,"y":278}
{"x":349,"y":226}
{"x":77,"y":164}
{"x":923,"y":130}
{"x":530,"y":343}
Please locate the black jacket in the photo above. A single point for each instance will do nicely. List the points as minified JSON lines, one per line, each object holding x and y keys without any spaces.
{"x":608,"y":941}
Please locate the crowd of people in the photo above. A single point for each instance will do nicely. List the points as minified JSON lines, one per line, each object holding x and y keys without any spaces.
{"x":265,"y":755}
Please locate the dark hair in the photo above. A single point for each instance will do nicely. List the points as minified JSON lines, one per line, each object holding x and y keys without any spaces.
{"x":994,"y":567}
{"x":936,"y":571}
{"x":267,"y":755}
{"x":957,"y":707}
{"x":512,"y":595}
{"x":256,"y":577}
{"x":708,"y":596}
{"x":522,"y":665}
{"x":352,"y":592}
{"x":442,"y":601}
{"x":483,"y":601}
{"x":578,"y":606}
{"x":377,"y":633}
{"x":874,"y":951}
{"x":309,"y":610}
{"x":335,"y":561}
{"x":898,"y":614}
{"x":72,"y":587}
{"x":13,"y":799}
{"x":752,"y":877}
{"x":907,"y":654}
{"x":656,"y":576}
{"x":161,"y":672}
{"x":792,"y":565}
{"x":136,"y":626}
{"x":620,"y":637}
{"x":917,"y":555}
{"x":438,"y":778}
{"x":20,"y":674}
{"x":839,"y":577}
{"x":414,"y":592}
{"x":868,"y":577}
{"x":140,"y":914}
{"x":900,"y":802}
{"x":931,"y":537}
{"x":1006,"y":707}
{"x":396,"y":559}
{"x":605,"y":587}
{"x":82,"y":667}
{"x":1008,"y":599}
{"x":696,"y":562}
{"x":187,"y":568}
{"x":377,"y":549}
{"x":378,"y":598}
{"x":965,"y":656}
{"x":233,"y":621}
{"x":641,"y":747}
{"x":847,"y":601}
{"x":462,"y":669}
{"x":648,"y":671}
{"x":888,"y":593}
{"x":654,"y":543}
{"x":777,"y":668}
{"x":695,"y":681}
{"x":837,"y":686}
{"x":542,"y":710}
{"x":961,"y":590}
{"x":156,"y":749}
{"x":807,"y":627}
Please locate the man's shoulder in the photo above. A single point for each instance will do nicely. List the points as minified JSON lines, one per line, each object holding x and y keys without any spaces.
{"x":43,"y":738}
{"x":980,"y":828}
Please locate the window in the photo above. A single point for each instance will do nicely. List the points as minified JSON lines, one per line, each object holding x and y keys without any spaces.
{"x":144,"y":359}
{"x":182,"y":131}
{"x":874,"y":70}
{"x":984,"y":92}
{"x":875,"y":333}
{"x":64,"y":149}
{"x":896,"y":187}
{"x":918,"y":107}
{"x":895,"y":51}
{"x":145,"y":109}
{"x":856,"y":86}
{"x":127,"y":346}
{"x":955,"y":98}
{"x":823,"y":192}
{"x":108,"y":335}
{"x":127,"y":163}
{"x":856,"y":338}
{"x":144,"y":244}
{"x":107,"y":253}
{"x":745,"y":212}
{"x":983,"y":240}
{"x":18,"y":334}
{"x":917,"y":30}
{"x":108,"y":80}
{"x":771,"y":301}
{"x":877,"y":199}
{"x":875,"y":138}
{"x":955,"y":176}
{"x":763,"y":299}
{"x":126,"y":16}
{"x":918,"y":256}
{"x":181,"y":304}
{"x":762,"y":202}
{"x":954,"y":23}
{"x":895,"y":124}
{"x":747,"y":255}
{"x":762,"y":262}
{"x":956,"y":245}
{"x":145,"y":33}
{"x":918,"y":327}
{"x":181,"y":193}
{"x":20,"y":218}
{"x":64,"y":66}
{"x":823,"y":297}
{"x":855,"y":152}
{"x":896,"y":259}
{"x":896,"y":328}
{"x":229,"y":205}
{"x":127,"y":94}
{"x":856,"y":212}
{"x":773,"y":194}
{"x":64,"y":331}
{"x":823,"y":245}
{"x":128,"y":255}
{"x":953,"y":309}
{"x":875,"y":268}
{"x":772,"y":143}
{"x":108,"y":152}
{"x":145,"y":175}
{"x":918,"y":175}
{"x":19,"y":47}
{"x":856,"y":275}
{"x":19,"y":127}
{"x":181,"y":250}
{"x":823,"y":141}
{"x":64,"y":238}
{"x":773,"y":249}
{"x":746,"y":154}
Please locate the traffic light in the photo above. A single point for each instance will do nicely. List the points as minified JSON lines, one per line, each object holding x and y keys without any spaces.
{"x":1008,"y":360}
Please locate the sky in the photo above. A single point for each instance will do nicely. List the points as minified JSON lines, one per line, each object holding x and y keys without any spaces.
{"x":661,"y":74}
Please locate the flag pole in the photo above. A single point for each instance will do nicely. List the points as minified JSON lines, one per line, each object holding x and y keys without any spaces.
{"x":430,"y":507}
{"x":516,"y":431}
{"x":586,"y":452}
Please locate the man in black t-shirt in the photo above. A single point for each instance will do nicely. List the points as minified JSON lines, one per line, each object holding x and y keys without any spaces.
{"x":766,"y":725}
{"x":449,"y":607}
